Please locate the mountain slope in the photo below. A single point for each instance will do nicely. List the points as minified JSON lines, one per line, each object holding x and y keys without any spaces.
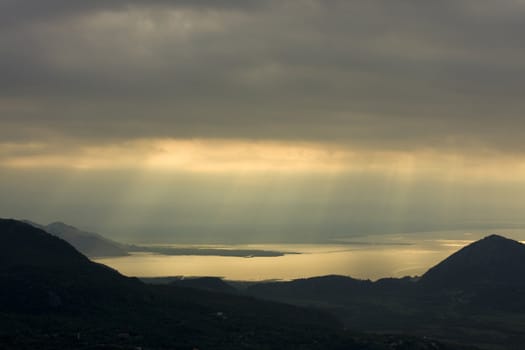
{"x":39,"y":271}
{"x":490,"y":262}
{"x":23,"y":245}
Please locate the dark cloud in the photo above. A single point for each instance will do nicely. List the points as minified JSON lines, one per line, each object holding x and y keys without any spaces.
{"x":378,"y":74}
{"x":13,"y":12}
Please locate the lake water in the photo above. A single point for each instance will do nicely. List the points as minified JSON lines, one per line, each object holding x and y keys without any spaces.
{"x":366,"y":257}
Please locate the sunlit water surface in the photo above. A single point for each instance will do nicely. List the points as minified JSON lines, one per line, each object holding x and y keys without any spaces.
{"x":366,"y":257}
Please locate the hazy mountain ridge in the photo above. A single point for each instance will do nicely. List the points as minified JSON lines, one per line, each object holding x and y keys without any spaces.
{"x":54,"y":297}
{"x":95,"y":245}
{"x":88,"y":243}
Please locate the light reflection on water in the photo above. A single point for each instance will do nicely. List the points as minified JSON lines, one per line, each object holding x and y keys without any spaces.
{"x":371,"y":257}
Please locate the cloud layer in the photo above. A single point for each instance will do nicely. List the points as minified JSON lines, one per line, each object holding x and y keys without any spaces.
{"x":376,"y":75}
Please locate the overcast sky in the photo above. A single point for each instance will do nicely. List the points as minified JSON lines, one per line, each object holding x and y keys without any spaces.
{"x":418,"y":104}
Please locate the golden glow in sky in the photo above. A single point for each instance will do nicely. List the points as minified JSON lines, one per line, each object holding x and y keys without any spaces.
{"x":248,"y":156}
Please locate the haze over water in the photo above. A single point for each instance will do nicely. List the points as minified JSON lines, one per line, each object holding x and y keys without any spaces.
{"x":367,"y":257}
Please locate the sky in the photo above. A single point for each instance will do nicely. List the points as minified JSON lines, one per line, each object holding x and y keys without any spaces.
{"x":262,"y":120}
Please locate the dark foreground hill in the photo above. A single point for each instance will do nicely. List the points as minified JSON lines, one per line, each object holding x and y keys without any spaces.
{"x":493,"y":261}
{"x":54,"y":297}
{"x":475,"y":296}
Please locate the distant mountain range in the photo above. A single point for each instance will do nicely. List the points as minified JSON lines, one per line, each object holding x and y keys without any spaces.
{"x":54,"y":297}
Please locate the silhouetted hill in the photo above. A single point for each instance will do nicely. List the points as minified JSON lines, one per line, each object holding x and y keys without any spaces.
{"x":331,"y":287}
{"x":40,"y":271}
{"x":23,"y":245}
{"x":490,"y":262}
{"x":214,"y":284}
